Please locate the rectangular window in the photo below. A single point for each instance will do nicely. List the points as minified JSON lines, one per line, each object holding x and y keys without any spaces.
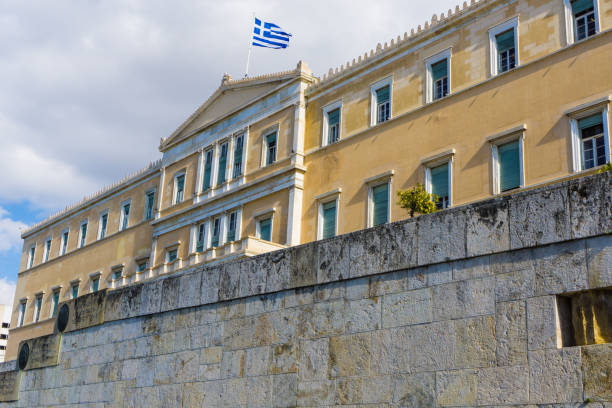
{"x":509,"y":166}
{"x":171,"y":255}
{"x":142,"y":266}
{"x":207,"y":170}
{"x":222,"y":164}
{"x":95,"y":284}
{"x":506,"y":51}
{"x":270,"y":148}
{"x":265,"y":229}
{"x":179,"y":188}
{"x":54,"y":302}
{"x":149,"y":205}
{"x":75,"y":290}
{"x":328,"y":219}
{"x":117,"y":274}
{"x":380,"y":204}
{"x":333,"y":126}
{"x":37,"y":307}
{"x":238,"y":148}
{"x":83,"y":234}
{"x":592,"y":141}
{"x":47,"y":250}
{"x":231,"y":226}
{"x":31,"y":256}
{"x":64,"y":244}
{"x":103,"y":225}
{"x":201,"y":237}
{"x":22,"y":309}
{"x":125,"y":216}
{"x":585,"y":22}
{"x":439,"y":76}
{"x":383,"y":104}
{"x":440,"y":186}
{"x":216,"y":231}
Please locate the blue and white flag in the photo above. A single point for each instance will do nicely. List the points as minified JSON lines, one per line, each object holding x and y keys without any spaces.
{"x":269,"y":35}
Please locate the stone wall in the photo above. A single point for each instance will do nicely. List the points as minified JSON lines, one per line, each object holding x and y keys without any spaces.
{"x":458,"y":308}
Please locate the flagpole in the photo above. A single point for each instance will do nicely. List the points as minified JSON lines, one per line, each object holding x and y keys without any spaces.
{"x":246,"y":72}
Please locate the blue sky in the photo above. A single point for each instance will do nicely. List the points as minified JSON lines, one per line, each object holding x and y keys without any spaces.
{"x":90,"y":87}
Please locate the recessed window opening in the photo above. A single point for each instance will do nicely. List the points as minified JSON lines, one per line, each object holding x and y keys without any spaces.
{"x":200,"y":238}
{"x":208,"y":161}
{"x":270,"y":148}
{"x":222,"y":164}
{"x":585,"y":318}
{"x":238,"y":149}
{"x":592,"y":141}
{"x":585,"y":22}
{"x":179,"y":188}
{"x":506,"y":50}
{"x":439,"y":73}
{"x":383,"y":104}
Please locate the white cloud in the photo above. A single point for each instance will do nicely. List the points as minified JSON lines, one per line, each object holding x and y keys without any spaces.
{"x":10,"y":234}
{"x":7,"y":292}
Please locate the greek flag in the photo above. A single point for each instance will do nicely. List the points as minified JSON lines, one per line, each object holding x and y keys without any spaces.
{"x":269,"y":35}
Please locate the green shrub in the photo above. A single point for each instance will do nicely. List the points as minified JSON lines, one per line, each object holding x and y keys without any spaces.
{"x":607,"y":167}
{"x":417,"y":200}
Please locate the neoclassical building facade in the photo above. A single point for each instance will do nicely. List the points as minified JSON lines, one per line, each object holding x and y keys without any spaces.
{"x":488,"y":98}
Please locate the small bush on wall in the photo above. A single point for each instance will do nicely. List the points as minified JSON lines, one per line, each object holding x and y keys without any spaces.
{"x":417,"y":200}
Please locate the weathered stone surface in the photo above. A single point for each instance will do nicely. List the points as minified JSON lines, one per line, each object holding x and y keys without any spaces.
{"x":316,"y":393}
{"x":407,"y":308}
{"x":364,"y":252}
{"x":377,"y":390}
{"x":560,"y":268}
{"x":350,"y":355}
{"x":333,"y":260}
{"x":252,"y":279}
{"x":210,"y":285}
{"x":487,"y":228}
{"x":362,"y":315}
{"x":599,"y":261}
{"x":390,"y":352}
{"x":503,"y":386}
{"x":150,"y":300}
{"x":314,"y":359}
{"x":471,"y":268}
{"x":277,"y":266}
{"x":555,"y":376}
{"x":590,"y":206}
{"x":514,"y":285}
{"x":89,"y":310}
{"x":9,"y":386}
{"x":229,"y":280}
{"x":539,"y":217}
{"x":285,"y":390}
{"x":398,"y":243}
{"x":451,"y":225}
{"x":511,"y":333}
{"x":541,"y":323}
{"x":304,"y":265}
{"x":190,"y":289}
{"x":475,"y":342}
{"x":456,"y":388}
{"x":44,"y":351}
{"x":597,"y":372}
{"x":414,"y":390}
{"x":349,"y":391}
{"x":431,"y":346}
{"x":464,"y":299}
{"x":170,"y":293}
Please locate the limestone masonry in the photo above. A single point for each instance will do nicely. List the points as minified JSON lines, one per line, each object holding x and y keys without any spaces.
{"x":506,"y":302}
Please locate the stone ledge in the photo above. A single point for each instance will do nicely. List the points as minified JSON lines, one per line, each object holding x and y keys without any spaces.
{"x":578,"y":208}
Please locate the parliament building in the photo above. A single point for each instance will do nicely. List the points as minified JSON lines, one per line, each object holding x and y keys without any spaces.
{"x":491,"y":97}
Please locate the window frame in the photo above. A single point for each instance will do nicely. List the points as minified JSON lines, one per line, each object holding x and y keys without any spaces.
{"x":322,"y":200}
{"x":150,"y":192}
{"x":493,"y":51}
{"x":374,"y":103}
{"x":57,"y":290}
{"x":265,"y":150}
{"x":212,"y":232}
{"x":262,"y":216}
{"x":169,"y":250}
{"x":31,"y":255}
{"x":38,"y":303}
{"x":75,"y":283}
{"x":242,"y":135}
{"x":23,"y":305}
{"x":228,"y":218}
{"x":117,"y":281}
{"x":447,"y":157}
{"x":81,"y":242}
{"x":600,"y":106}
{"x":325,"y":130}
{"x":123,"y":223}
{"x":373,"y":182}
{"x":103,"y":230}
{"x":205,"y":162}
{"x":92,"y":278}
{"x":570,"y":35}
{"x":47,"y":249}
{"x":500,"y":139}
{"x":175,"y":192}
{"x":63,"y":249}
{"x":203,"y":228}
{"x":429,"y":62}
{"x":221,"y":143}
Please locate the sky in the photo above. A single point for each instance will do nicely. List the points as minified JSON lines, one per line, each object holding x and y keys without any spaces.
{"x":88,"y":87}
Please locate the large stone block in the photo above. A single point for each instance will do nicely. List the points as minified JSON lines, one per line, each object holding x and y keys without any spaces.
{"x":284,"y":359}
{"x":539,"y":217}
{"x":456,"y":388}
{"x":349,"y":391}
{"x":475,"y":342}
{"x":487,"y":229}
{"x":362,"y":315}
{"x":229,"y":281}
{"x":514,"y":285}
{"x":314,"y":359}
{"x":472,"y":268}
{"x":555,"y":376}
{"x":350,"y":355}
{"x":43,"y":351}
{"x":597,"y":372}
{"x":9,"y":385}
{"x":599,"y":261}
{"x":333,"y":259}
{"x":303,"y":265}
{"x":377,"y":390}
{"x":442,"y":236}
{"x":284,"y":391}
{"x":398,"y":246}
{"x":560,"y":268}
{"x":390,"y":352}
{"x":170,"y":293}
{"x":407,"y":308}
{"x":590,"y":204}
{"x":431,"y":346}
{"x":151,"y":297}
{"x":252,"y":278}
{"x":316,"y":393}
{"x":467,"y":298}
{"x":190,"y":289}
{"x":542,"y":323}
{"x":414,"y":390}
{"x":86,"y":311}
{"x":503,"y":386}
{"x":511,"y":333}
{"x":277,"y":265}
{"x":210,"y":285}
{"x":364,"y":252}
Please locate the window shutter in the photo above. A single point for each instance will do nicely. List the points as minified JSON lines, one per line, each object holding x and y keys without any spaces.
{"x":329,"y":220}
{"x":207,"y":170}
{"x":180,"y":183}
{"x":265,"y":231}
{"x":271,"y":139}
{"x":382,"y":95}
{"x":333,"y":117}
{"x":439,"y":70}
{"x":578,"y":6}
{"x":590,"y":121}
{"x":509,"y":166}
{"x":505,"y":40}
{"x":238,"y":157}
{"x":222,"y":164}
{"x":439,"y":180}
{"x":381,"y":204}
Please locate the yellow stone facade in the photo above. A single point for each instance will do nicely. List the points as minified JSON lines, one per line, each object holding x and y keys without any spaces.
{"x":558,"y":79}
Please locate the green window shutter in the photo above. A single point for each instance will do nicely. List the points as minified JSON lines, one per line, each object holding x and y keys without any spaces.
{"x":271,"y":148}
{"x":505,"y":40}
{"x":95,"y":284}
{"x":231,"y":230}
{"x":381,"y":204}
{"x":222,"y":164}
{"x":329,"y":219}
{"x":238,"y":157}
{"x":509,"y":166}
{"x":382,"y":95}
{"x":214,"y":242}
{"x":578,"y":6}
{"x":207,"y":170}
{"x":590,"y":121}
{"x":55,"y":302}
{"x":180,"y":183}
{"x":333,"y":117}
{"x":265,"y":229}
{"x":75,"y":291}
{"x":439,"y":70}
{"x":439,"y":181}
